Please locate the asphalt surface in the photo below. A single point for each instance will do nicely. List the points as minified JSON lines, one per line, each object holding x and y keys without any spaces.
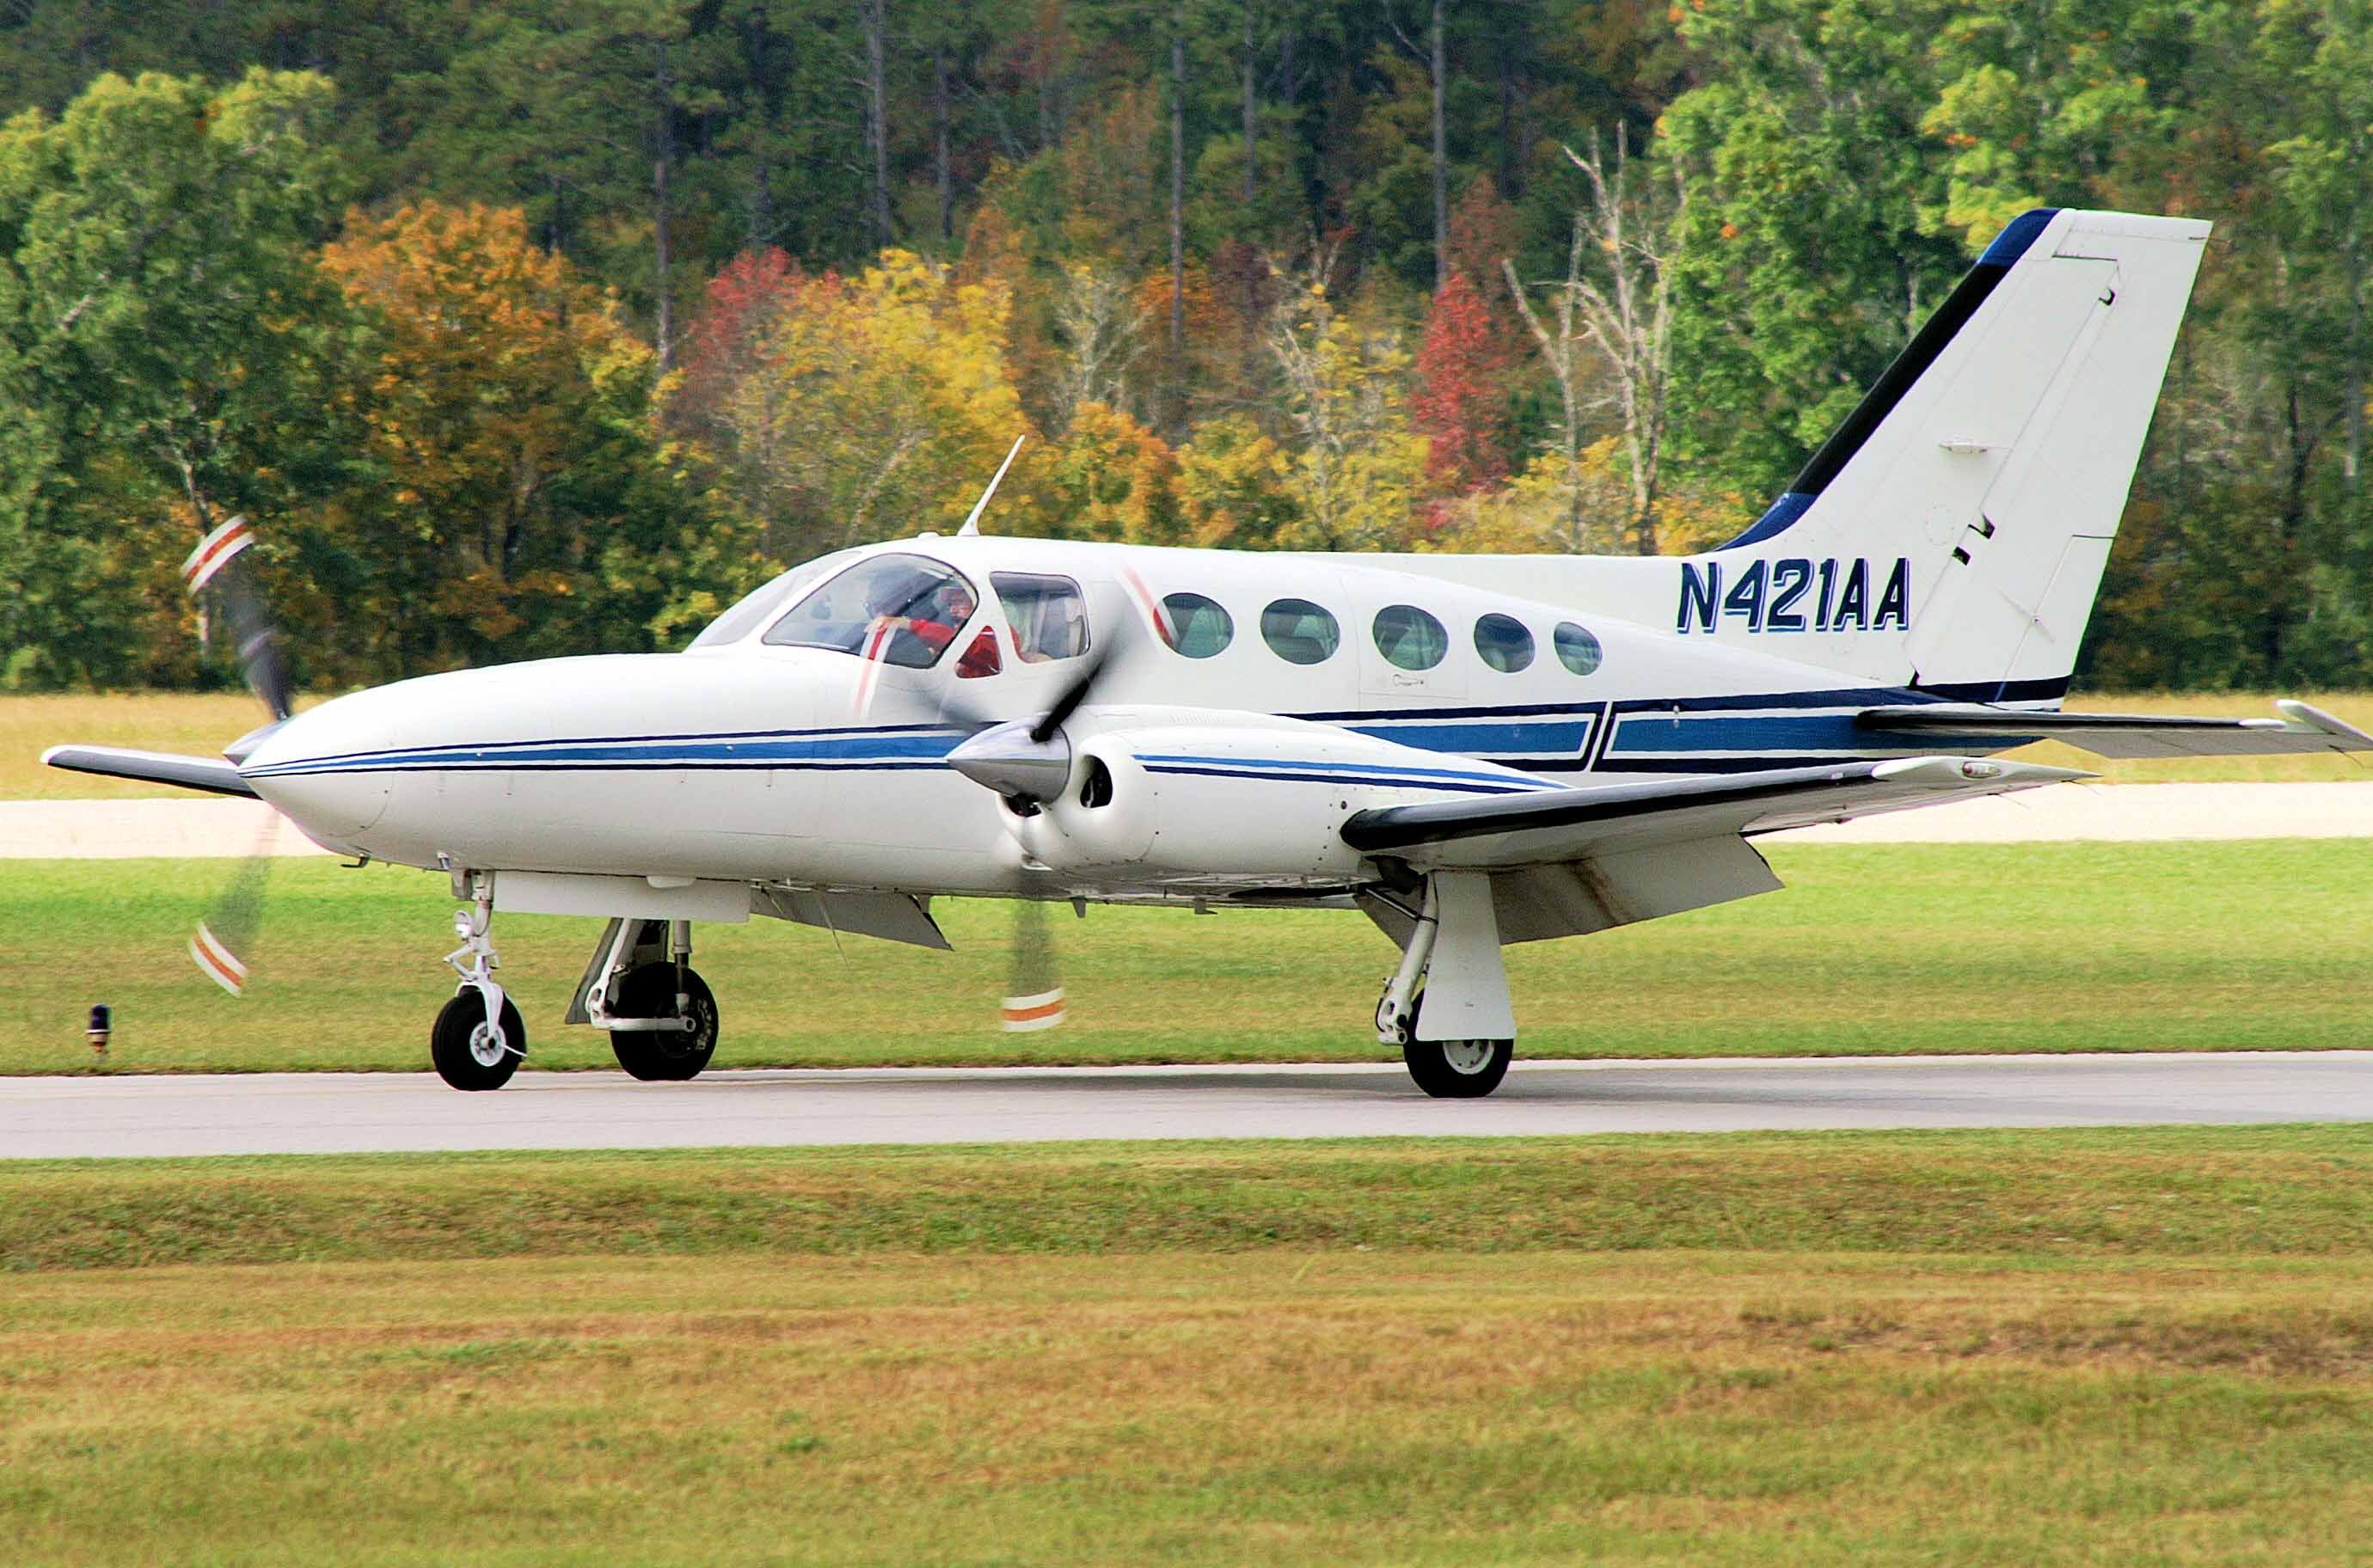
{"x":347,"y":1113}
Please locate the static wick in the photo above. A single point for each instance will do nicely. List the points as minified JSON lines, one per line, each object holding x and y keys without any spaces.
{"x":103,"y":1024}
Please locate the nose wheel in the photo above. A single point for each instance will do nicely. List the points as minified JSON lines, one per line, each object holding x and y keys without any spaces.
{"x":469,"y":1053}
{"x":479,"y":1039}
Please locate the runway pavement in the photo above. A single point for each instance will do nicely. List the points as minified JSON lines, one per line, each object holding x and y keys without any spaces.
{"x":343,"y":1113}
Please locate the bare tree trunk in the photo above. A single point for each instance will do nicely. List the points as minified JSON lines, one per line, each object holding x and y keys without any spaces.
{"x":1628,"y":323}
{"x":1178,"y":188}
{"x":877,"y":126}
{"x":939,"y":173}
{"x":662,"y":154}
{"x":1252,"y":115}
{"x":758,"y":61}
{"x":1441,"y":163}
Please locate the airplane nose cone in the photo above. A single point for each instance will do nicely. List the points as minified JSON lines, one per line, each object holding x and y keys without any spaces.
{"x":312,"y":767}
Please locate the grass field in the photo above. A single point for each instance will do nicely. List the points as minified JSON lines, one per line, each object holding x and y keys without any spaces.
{"x":202,"y":725}
{"x":1925,"y":948}
{"x":2101,"y":1347}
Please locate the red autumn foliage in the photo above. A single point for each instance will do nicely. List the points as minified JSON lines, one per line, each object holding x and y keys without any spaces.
{"x":1462,"y":402}
{"x":718,"y":348}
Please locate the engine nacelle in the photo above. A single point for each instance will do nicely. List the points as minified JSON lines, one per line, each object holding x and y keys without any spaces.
{"x":1249,"y":798}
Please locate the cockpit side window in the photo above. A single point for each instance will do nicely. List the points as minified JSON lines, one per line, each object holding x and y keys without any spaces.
{"x":750,"y":611}
{"x":901,"y":609}
{"x":1048,"y":615}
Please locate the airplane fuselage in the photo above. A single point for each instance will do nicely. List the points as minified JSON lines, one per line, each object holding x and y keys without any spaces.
{"x":749,"y":760}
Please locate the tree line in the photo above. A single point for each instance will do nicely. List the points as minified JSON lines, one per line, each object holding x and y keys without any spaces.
{"x":535,"y":329}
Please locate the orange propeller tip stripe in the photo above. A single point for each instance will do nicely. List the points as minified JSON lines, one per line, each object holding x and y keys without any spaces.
{"x":1042,"y":1011}
{"x":215,"y":551}
{"x":216,"y":962}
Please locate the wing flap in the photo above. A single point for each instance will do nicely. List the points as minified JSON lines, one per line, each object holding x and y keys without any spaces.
{"x":2302,"y":729}
{"x":209,"y":774}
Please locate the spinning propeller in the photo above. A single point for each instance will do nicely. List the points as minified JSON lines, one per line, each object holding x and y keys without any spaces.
{"x":1028,"y":761}
{"x":220,"y":576}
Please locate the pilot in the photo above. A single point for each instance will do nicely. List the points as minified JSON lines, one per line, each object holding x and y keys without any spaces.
{"x":920,"y":629}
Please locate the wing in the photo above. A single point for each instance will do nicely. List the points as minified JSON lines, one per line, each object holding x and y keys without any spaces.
{"x":210,"y":774}
{"x":2301,"y":729}
{"x":1568,"y":862}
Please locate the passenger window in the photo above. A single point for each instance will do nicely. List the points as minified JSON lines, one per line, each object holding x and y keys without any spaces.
{"x":1299,"y":632}
{"x":1502,"y":642}
{"x":1576,"y":648}
{"x":1410,"y":637}
{"x":899,"y":609}
{"x":1198,"y":627}
{"x":1048,"y":616}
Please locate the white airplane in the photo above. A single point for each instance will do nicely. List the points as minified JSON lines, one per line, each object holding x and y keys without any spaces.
{"x":1470,"y":750}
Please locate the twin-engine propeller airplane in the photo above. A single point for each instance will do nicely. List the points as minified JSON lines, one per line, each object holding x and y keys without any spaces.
{"x":1470,"y":750}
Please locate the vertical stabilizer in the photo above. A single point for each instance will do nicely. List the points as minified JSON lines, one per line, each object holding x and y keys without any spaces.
{"x":1951,"y":532}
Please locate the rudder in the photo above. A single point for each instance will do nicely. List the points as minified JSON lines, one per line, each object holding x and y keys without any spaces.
{"x":1952,"y":531}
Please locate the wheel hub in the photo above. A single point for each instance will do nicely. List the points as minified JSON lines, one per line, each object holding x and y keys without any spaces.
{"x":1468,"y":1056}
{"x":485,"y":1047}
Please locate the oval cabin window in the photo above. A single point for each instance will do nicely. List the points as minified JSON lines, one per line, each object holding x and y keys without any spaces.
{"x":1299,"y":632}
{"x":1576,"y":648}
{"x":1410,"y":639}
{"x":1502,"y":642}
{"x":1199,"y":627}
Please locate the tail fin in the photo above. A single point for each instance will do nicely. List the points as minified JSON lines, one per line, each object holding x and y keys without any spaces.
{"x":1951,"y":532}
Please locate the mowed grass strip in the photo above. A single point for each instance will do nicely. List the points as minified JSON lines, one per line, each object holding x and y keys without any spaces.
{"x":1870,"y":949}
{"x":2114,"y":1192}
{"x":2062,"y":1348}
{"x":202,"y":723}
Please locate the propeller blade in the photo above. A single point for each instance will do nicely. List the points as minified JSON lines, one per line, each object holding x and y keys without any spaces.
{"x":1034,"y":997}
{"x":220,"y":568}
{"x":1070,"y":702}
{"x":225,"y":939}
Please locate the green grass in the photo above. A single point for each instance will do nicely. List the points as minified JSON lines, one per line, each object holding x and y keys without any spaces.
{"x":2201,"y":1192}
{"x":1870,"y":949}
{"x":201,"y":724}
{"x":2070,"y":1347}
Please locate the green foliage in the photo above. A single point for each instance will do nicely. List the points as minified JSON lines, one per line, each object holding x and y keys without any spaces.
{"x":169,"y":352}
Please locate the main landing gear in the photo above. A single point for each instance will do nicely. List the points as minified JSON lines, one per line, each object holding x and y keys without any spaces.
{"x":479,"y":1038}
{"x":1450,"y":961}
{"x":642,"y":988}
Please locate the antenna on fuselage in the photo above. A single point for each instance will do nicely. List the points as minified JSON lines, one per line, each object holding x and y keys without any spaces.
{"x":972,"y":519}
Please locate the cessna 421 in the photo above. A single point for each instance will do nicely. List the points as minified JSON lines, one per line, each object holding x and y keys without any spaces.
{"x":1471,"y":750}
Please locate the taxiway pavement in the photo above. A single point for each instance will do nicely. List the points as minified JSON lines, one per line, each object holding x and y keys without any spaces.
{"x":100,"y":1116}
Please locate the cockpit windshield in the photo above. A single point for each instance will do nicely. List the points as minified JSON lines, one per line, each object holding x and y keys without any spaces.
{"x":751,"y":610}
{"x":901,"y":609}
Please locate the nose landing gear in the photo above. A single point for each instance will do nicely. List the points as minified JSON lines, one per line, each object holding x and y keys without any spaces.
{"x":479,"y":1038}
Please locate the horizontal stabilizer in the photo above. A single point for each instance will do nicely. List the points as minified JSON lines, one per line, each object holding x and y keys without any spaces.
{"x":2301,"y":729}
{"x":1552,"y":827}
{"x":213,"y":776}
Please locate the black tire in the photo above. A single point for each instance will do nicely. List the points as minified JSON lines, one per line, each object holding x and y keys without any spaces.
{"x":662,"y":1056}
{"x":457,"y":1046}
{"x":1458,"y":1070}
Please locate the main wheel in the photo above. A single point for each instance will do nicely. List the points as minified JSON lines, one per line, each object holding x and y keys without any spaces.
{"x":661,"y":1056}
{"x":1458,"y":1070}
{"x":465,"y":1052}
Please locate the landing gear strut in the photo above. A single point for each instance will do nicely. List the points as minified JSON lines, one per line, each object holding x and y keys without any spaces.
{"x":1463,"y":962}
{"x":642,"y":988}
{"x":479,"y":1038}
